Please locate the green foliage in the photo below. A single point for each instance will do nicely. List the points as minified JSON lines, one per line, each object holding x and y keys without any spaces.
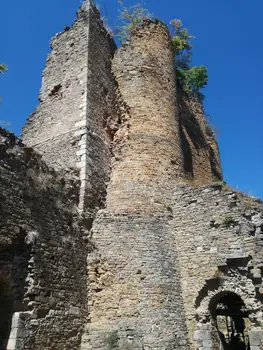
{"x":193,"y":80}
{"x":3,"y":68}
{"x":223,"y":185}
{"x":181,"y":40}
{"x":190,"y":79}
{"x":228,"y":220}
{"x":196,"y":78}
{"x":113,"y":340}
{"x":129,"y":18}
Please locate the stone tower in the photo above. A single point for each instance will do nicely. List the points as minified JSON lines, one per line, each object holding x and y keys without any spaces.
{"x":132,"y":241}
{"x":138,"y":291}
{"x":148,"y":151}
{"x":67,"y":127}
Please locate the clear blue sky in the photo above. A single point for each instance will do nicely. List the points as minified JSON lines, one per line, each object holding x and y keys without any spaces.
{"x":229,"y":41}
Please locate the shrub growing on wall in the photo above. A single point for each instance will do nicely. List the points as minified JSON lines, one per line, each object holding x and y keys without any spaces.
{"x":129,"y":18}
{"x":190,"y":79}
{"x":3,"y":68}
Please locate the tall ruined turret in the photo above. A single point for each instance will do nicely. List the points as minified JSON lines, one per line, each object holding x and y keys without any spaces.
{"x":134,"y":285}
{"x":147,"y":147}
{"x":116,"y":229}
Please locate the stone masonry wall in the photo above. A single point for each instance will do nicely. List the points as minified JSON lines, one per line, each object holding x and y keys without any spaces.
{"x":68,"y":127}
{"x":50,"y":129}
{"x":42,"y":253}
{"x":147,"y":150}
{"x":134,"y":284}
{"x":218,"y":234}
{"x":161,"y":251}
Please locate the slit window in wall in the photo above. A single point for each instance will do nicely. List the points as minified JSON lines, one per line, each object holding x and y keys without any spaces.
{"x":231,"y":321}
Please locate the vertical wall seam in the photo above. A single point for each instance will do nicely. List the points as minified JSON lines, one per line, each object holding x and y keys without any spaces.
{"x":83,"y":141}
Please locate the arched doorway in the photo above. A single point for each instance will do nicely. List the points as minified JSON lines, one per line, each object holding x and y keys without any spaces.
{"x":6,"y":305}
{"x":231,"y":321}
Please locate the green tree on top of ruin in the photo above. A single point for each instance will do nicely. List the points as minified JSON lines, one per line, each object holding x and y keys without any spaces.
{"x":190,"y":79}
{"x":129,"y":18}
{"x":181,"y":40}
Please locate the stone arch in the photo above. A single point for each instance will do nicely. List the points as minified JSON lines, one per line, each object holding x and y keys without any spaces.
{"x":240,"y":285}
{"x":206,"y":334}
{"x":6,"y":310}
{"x":231,"y":320}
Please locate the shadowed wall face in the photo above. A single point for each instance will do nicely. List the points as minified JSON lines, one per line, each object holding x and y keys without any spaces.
{"x":199,"y":145}
{"x":42,"y":253}
{"x":6,"y":308}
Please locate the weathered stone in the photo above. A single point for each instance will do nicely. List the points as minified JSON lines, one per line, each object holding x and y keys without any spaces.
{"x":115,"y":248}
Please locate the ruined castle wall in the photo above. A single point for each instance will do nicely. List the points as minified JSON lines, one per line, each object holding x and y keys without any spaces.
{"x":68,"y":127}
{"x":147,"y":145}
{"x":200,"y":149}
{"x":218,"y":235}
{"x":135,"y":297}
{"x":51,"y":128}
{"x":43,"y":254}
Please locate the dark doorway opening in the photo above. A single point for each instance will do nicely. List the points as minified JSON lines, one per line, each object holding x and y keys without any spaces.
{"x":6,"y":306}
{"x":231,"y":321}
